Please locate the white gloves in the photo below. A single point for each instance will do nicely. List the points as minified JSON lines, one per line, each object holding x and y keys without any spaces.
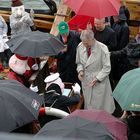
{"x":35,"y":67}
{"x":76,"y":88}
{"x":34,"y":88}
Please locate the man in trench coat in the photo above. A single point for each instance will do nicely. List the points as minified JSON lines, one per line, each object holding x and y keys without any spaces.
{"x":93,"y":72}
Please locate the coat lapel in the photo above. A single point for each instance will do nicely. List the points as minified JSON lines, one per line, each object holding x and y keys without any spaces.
{"x":84,"y":57}
{"x":92,"y":57}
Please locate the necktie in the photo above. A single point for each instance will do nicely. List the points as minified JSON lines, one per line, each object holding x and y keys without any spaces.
{"x":64,"y":39}
{"x":89,"y":51}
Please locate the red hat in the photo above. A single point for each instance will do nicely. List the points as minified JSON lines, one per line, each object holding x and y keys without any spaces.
{"x":19,"y":64}
{"x":21,"y":57}
{"x":16,"y":3}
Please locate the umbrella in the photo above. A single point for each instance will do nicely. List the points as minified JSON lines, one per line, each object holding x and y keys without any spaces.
{"x":80,"y":22}
{"x":18,"y":105}
{"x":76,"y":128}
{"x":94,"y":8}
{"x":11,"y":136}
{"x":35,"y":44}
{"x":127,"y":91}
{"x":114,"y":125}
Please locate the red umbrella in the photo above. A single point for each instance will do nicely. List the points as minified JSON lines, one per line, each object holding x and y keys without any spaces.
{"x":94,"y":8}
{"x":80,"y":22}
{"x":116,"y":127}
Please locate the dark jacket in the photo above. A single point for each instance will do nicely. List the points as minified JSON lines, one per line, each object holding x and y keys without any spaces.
{"x":108,"y":37}
{"x":54,"y":99}
{"x":61,"y":101}
{"x":133,"y":123}
{"x":131,"y":52}
{"x":66,"y":61}
{"x":122,"y":30}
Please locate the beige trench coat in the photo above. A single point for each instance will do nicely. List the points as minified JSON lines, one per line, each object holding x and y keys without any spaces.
{"x":97,"y":65}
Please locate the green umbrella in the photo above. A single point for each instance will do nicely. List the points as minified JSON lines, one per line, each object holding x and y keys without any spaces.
{"x":127,"y":91}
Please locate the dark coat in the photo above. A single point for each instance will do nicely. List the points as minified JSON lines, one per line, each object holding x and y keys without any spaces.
{"x":133,"y":123}
{"x":122,"y":30}
{"x":107,"y":37}
{"x":42,"y":74}
{"x":61,"y":101}
{"x":51,"y":98}
{"x":66,"y":61}
{"x":131,"y":52}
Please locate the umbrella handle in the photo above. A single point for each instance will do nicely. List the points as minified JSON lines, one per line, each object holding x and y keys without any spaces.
{"x":53,"y":112}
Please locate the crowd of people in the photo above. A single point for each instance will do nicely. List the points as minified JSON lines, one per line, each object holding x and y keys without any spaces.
{"x":95,"y":59}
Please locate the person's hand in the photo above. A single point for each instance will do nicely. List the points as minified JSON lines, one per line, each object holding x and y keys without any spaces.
{"x":93,"y":82}
{"x":35,"y":67}
{"x":81,"y":75}
{"x":76,"y":88}
{"x":65,"y":49}
{"x":34,"y":88}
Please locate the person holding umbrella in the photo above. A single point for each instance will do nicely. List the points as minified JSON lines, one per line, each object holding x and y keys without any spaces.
{"x":132,"y":120}
{"x":127,"y":95}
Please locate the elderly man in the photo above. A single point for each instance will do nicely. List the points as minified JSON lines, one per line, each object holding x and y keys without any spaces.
{"x":93,"y":66}
{"x":105,"y":34}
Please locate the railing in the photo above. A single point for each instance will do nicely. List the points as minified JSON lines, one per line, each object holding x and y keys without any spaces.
{"x":42,"y":21}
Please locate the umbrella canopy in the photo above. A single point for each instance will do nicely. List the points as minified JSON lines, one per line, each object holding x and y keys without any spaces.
{"x":114,"y":125}
{"x":127,"y":91}
{"x":18,"y":105}
{"x":76,"y":128}
{"x":35,"y":44}
{"x":11,"y":136}
{"x":80,"y":22}
{"x":94,"y":8}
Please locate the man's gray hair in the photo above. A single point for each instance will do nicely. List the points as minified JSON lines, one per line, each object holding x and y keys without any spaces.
{"x":87,"y":35}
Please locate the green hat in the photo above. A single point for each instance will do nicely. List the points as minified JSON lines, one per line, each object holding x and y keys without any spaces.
{"x":63,"y":27}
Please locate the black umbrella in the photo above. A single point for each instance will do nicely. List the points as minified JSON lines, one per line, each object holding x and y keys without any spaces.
{"x":18,"y":105}
{"x":35,"y":44}
{"x":76,"y":128}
